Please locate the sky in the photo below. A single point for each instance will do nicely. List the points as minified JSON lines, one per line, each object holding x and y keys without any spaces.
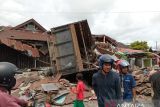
{"x":124,"y":20}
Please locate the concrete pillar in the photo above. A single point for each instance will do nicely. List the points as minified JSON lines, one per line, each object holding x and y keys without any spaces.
{"x":142,"y":60}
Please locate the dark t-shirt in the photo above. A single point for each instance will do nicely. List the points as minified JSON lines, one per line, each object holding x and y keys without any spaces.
{"x":106,"y":87}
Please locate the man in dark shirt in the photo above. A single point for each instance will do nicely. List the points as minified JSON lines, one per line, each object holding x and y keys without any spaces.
{"x":106,"y":83}
{"x":155,"y":82}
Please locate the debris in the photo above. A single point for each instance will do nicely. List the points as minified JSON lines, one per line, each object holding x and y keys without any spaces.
{"x":46,"y":89}
{"x":64,"y":82}
{"x":60,"y":100}
{"x":49,"y":87}
{"x":61,"y":93}
{"x":143,"y":88}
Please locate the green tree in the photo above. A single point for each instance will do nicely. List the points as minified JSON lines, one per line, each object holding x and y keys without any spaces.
{"x":150,"y":49}
{"x":139,"y":45}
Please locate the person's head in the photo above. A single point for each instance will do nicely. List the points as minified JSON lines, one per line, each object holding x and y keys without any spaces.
{"x":105,"y":63}
{"x":7,"y":73}
{"x":124,"y":66}
{"x":79,"y":76}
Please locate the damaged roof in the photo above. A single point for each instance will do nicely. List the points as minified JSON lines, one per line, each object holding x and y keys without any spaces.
{"x":29,"y":30}
{"x":24,"y":35}
{"x":110,"y":40}
{"x":20,"y":26}
{"x":19,"y":46}
{"x":107,"y":38}
{"x":127,"y":50}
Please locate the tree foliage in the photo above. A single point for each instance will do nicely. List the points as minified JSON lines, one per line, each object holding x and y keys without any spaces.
{"x":150,"y":49}
{"x":139,"y":45}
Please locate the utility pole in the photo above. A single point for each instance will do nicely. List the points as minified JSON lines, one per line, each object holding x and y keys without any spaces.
{"x":156,"y":45}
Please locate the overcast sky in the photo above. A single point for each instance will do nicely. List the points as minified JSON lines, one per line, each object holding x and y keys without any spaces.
{"x":124,"y":20}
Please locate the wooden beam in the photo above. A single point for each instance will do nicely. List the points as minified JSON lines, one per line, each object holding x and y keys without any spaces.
{"x":76,"y":48}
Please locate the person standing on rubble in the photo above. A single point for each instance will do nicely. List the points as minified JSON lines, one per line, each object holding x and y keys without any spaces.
{"x":155,"y":83}
{"x":128,"y":82}
{"x":7,"y":82}
{"x":79,"y":91}
{"x":106,"y":83}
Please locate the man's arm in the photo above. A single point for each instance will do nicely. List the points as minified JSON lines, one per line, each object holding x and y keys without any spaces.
{"x":94,"y":85}
{"x":118,"y":89}
{"x":133,"y":88}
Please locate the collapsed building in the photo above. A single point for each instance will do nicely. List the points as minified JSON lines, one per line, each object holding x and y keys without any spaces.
{"x":25,"y":45}
{"x":73,"y":49}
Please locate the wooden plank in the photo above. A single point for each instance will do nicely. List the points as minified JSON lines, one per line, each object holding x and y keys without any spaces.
{"x":84,"y":44}
{"x":76,"y":48}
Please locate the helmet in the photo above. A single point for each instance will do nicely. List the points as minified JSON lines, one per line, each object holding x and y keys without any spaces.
{"x":105,"y":59}
{"x":7,"y":73}
{"x":124,"y":63}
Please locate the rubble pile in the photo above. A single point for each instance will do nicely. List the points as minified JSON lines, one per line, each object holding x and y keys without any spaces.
{"x":99,"y":49}
{"x":52,"y":90}
{"x":143,"y":88}
{"x":105,"y":48}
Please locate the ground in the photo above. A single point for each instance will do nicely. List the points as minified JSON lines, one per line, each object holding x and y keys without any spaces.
{"x":92,"y":103}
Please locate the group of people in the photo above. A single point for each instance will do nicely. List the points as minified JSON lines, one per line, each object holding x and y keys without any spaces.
{"x":111,"y":88}
{"x":115,"y":87}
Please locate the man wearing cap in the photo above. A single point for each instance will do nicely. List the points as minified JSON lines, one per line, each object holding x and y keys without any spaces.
{"x":128,"y":82}
{"x":106,"y":83}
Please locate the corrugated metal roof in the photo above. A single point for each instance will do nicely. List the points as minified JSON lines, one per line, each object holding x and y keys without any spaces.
{"x":19,"y":46}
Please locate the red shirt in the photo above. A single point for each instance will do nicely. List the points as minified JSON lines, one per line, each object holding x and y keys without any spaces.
{"x":7,"y":100}
{"x":117,"y":65}
{"x":80,"y":90}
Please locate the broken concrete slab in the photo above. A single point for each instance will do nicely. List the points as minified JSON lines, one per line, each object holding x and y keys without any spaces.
{"x":49,"y":87}
{"x":61,"y":93}
{"x":60,"y":100}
